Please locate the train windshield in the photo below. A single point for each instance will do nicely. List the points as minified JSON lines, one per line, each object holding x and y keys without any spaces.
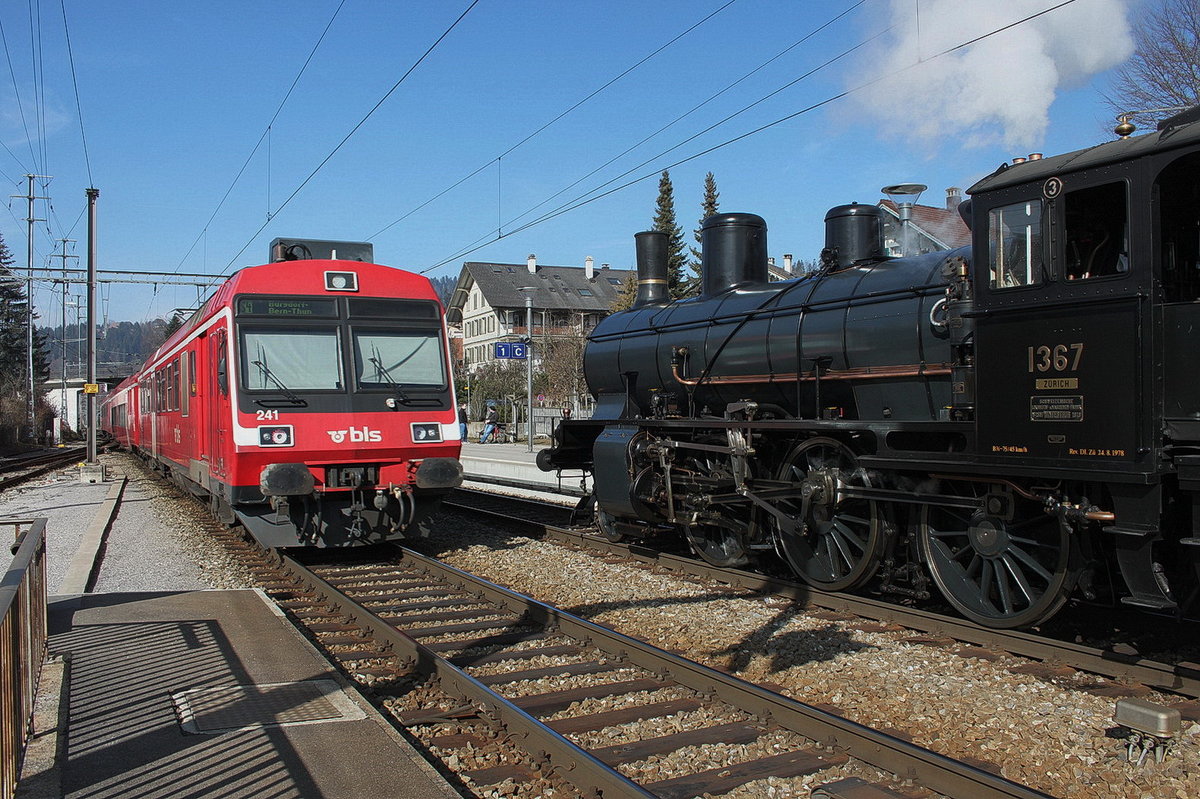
{"x":289,"y":359}
{"x":386,"y":359}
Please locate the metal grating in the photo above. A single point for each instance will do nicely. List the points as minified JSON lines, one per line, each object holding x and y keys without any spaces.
{"x":241,"y":707}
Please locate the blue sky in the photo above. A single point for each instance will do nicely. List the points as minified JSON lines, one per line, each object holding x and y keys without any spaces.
{"x":174,"y":98}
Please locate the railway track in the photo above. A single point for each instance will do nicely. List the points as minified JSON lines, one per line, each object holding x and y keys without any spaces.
{"x":415,"y":614}
{"x":1051,"y":656}
{"x":14,"y":471}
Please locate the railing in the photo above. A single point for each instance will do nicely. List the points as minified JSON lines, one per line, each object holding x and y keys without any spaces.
{"x":22,"y":643}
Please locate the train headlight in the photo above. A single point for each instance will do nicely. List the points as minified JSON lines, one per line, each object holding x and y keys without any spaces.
{"x":426,"y":431}
{"x":341,"y":281}
{"x":276,"y":436}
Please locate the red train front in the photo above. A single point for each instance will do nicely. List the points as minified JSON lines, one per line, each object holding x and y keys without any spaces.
{"x":309,"y":398}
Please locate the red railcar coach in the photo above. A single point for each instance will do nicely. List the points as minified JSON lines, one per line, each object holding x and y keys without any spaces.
{"x":309,"y":398}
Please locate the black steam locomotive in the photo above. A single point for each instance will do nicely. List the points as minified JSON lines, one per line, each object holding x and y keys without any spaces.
{"x":1013,"y":421}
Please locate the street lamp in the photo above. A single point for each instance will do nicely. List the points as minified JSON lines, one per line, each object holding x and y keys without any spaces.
{"x":904,"y":208}
{"x":528,"y":292}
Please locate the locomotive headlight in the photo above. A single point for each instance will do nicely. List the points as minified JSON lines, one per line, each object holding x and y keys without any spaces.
{"x":275,"y":436}
{"x":426,"y":431}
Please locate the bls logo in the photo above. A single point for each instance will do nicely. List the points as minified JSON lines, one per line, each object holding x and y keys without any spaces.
{"x":357,"y":436}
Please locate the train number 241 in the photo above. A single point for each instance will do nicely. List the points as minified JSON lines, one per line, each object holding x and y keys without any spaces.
{"x":1060,"y":357}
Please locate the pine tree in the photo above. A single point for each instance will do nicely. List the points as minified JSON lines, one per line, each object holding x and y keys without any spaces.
{"x":708,"y":207}
{"x":14,"y":321}
{"x":664,"y":220}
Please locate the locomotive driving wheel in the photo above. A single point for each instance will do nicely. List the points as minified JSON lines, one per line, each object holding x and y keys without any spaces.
{"x":1009,"y":569}
{"x":835,"y":542}
{"x":718,"y":539}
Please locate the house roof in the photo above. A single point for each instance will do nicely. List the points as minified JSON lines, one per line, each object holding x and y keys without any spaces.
{"x":940,"y":224}
{"x":556,"y":287}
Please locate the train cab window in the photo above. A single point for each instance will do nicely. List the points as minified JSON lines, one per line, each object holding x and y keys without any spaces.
{"x":1178,"y":201}
{"x":291,"y":359}
{"x":1015,"y":245}
{"x":1096,"y":233}
{"x":385,"y":359}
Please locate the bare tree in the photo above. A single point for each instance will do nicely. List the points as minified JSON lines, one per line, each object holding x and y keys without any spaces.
{"x":1164,"y":71}
{"x":562,"y":362}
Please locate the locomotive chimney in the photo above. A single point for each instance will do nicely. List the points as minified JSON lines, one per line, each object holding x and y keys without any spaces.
{"x":734,"y":252}
{"x":531,"y":264}
{"x":651,"y":247}
{"x":589,"y":268}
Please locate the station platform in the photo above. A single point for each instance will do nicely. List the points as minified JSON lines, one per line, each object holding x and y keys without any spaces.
{"x":213,"y":693}
{"x":515,"y":465}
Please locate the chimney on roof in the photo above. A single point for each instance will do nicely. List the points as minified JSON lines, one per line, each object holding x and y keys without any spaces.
{"x":604,"y":266}
{"x":953,"y":198}
{"x":589,"y":268}
{"x":771,"y":261}
{"x":531,"y":263}
{"x":787,"y":262}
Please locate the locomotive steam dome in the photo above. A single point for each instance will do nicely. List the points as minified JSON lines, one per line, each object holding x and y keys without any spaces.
{"x":854,"y":233}
{"x":734,"y":251}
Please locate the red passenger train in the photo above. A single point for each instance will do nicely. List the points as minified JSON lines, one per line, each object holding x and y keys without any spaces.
{"x":309,"y":398}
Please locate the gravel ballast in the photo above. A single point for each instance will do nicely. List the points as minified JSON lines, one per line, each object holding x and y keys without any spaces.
{"x":1048,"y":735}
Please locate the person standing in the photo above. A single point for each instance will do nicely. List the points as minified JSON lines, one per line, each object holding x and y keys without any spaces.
{"x":462,"y":421}
{"x":489,"y":424}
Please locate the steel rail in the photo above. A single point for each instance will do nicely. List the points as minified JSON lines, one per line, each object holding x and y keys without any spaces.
{"x":35,"y":467}
{"x":573,"y":763}
{"x":902,"y":758}
{"x":1181,"y":678}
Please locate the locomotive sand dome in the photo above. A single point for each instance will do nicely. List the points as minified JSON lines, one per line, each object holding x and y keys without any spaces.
{"x":1006,"y":422}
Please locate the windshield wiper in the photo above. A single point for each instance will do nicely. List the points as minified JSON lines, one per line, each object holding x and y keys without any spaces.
{"x":382,"y":371}
{"x":287,"y":392}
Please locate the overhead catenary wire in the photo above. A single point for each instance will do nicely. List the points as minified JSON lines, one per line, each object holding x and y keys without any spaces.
{"x":20,"y":106}
{"x":354,"y":130}
{"x":543,"y":127}
{"x":828,"y":100}
{"x":705,"y":102}
{"x":75,"y":85}
{"x":263,"y":135}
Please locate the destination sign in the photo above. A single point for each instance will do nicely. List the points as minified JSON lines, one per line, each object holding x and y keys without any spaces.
{"x":287,"y":306}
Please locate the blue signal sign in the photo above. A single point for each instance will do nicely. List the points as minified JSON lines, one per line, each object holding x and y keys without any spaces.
{"x":512,"y":350}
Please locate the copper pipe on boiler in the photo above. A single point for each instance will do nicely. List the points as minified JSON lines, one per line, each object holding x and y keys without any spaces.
{"x":858,"y":373}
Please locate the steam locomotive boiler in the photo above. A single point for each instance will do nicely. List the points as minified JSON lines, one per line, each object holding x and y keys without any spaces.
{"x":1010,"y":422}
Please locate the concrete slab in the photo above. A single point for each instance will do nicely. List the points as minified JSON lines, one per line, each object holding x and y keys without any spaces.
{"x":514,"y":464}
{"x":131,"y":654}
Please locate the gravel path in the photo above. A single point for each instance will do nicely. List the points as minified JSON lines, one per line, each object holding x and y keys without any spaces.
{"x":1051,"y":736}
{"x":156,"y":542}
{"x":68,"y":507}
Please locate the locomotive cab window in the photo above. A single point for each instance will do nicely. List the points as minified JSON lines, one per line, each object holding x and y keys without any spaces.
{"x":1178,"y":191}
{"x":1096,"y":233}
{"x":1015,"y":245}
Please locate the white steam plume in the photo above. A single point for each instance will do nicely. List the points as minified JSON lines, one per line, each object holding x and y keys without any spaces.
{"x":998,"y":90}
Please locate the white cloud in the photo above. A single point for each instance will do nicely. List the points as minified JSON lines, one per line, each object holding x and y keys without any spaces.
{"x":998,"y":90}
